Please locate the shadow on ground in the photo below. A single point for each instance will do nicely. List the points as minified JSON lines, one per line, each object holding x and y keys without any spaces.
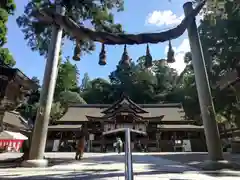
{"x":175,"y":164}
{"x":196,"y":158}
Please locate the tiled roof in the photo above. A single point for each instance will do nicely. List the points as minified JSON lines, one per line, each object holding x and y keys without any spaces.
{"x":181,"y":127}
{"x":171,"y":112}
{"x":14,"y":119}
{"x":66,"y":127}
{"x":123,"y":103}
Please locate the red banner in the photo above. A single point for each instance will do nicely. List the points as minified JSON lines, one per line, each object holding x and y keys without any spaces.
{"x":11,"y":144}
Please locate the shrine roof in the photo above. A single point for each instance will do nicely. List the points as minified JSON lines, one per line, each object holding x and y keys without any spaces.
{"x":113,"y":116}
{"x":182,"y":127}
{"x":64,"y":127}
{"x":79,"y":113}
{"x":16,"y":121}
{"x":16,"y":73}
{"x":124,"y":103}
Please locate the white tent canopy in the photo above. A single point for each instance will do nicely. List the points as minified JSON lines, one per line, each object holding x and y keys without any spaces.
{"x":12,"y":135}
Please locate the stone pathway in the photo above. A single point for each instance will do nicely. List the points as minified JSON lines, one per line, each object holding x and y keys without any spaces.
{"x":193,"y":158}
{"x":110,"y":166}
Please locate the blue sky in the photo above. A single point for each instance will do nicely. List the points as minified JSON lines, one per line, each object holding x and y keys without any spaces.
{"x":139,"y":16}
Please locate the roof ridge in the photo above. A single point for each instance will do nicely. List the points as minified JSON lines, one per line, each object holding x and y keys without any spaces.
{"x":179,"y":105}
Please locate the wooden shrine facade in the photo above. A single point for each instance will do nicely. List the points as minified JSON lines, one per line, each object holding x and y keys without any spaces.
{"x":163,"y":123}
{"x":15,"y":88}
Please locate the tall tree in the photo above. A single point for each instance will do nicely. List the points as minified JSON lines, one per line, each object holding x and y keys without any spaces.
{"x":68,"y":76}
{"x":7,"y":8}
{"x":98,"y":13}
{"x":99,"y":92}
{"x":85,"y":82}
{"x":220,"y":44}
{"x":221,"y":50}
{"x":6,"y":57}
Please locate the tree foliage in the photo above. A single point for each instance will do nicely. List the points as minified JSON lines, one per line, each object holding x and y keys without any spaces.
{"x":7,"y":8}
{"x":68,"y":77}
{"x":220,"y":44}
{"x":7,"y":57}
{"x":98,"y":13}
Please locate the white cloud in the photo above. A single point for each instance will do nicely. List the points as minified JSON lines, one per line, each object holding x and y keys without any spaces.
{"x":161,"y":18}
{"x":180,"y":51}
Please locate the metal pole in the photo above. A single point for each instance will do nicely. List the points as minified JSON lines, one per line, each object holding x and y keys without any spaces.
{"x":50,"y":76}
{"x":128,"y":156}
{"x":204,"y":93}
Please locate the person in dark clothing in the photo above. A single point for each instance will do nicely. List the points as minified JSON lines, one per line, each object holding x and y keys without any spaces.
{"x":80,"y":148}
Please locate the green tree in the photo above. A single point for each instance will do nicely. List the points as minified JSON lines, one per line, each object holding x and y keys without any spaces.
{"x":98,"y":13}
{"x":220,"y":44}
{"x":7,"y":57}
{"x":100,"y":91}
{"x":85,"y":82}
{"x":221,"y":50}
{"x":35,"y":80}
{"x":68,"y":97}
{"x":7,"y":8}
{"x":68,"y":77}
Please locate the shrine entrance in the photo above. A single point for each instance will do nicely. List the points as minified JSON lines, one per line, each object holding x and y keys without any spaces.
{"x":112,"y":131}
{"x":135,"y":139}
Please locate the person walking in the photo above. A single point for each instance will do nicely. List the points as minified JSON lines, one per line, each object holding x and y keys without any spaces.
{"x":80,"y":148}
{"x":119,"y":145}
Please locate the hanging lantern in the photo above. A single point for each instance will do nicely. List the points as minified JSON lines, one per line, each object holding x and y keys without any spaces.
{"x":102,"y":56}
{"x":125,"y":61}
{"x":77,"y":52}
{"x":148,"y":58}
{"x":170,"y":54}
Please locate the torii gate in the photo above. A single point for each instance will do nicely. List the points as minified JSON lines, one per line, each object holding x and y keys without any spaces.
{"x":61,"y":22}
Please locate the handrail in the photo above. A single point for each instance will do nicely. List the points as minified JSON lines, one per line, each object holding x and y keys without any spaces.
{"x":128,"y":149}
{"x":128,"y":156}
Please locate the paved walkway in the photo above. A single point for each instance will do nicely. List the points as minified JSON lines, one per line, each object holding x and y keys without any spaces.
{"x":110,"y":166}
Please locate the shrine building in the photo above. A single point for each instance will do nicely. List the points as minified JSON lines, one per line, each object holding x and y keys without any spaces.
{"x":165,"y":126}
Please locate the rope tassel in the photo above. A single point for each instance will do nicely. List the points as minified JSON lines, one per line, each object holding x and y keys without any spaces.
{"x":102,"y":56}
{"x":148,"y":58}
{"x":170,"y":54}
{"x":125,"y":61}
{"x":77,"y":52}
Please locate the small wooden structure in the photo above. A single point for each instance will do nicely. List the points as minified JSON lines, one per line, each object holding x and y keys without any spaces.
{"x":13,"y":90}
{"x":164,"y":125}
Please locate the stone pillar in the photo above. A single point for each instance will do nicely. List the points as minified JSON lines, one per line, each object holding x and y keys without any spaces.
{"x":203,"y":89}
{"x":39,"y":136}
